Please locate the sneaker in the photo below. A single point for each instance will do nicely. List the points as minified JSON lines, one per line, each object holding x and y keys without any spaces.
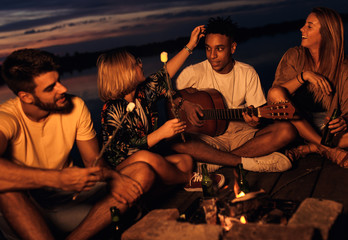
{"x":274,"y":162}
{"x":195,"y":184}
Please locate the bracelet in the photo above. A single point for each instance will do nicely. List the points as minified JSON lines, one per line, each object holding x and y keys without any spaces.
{"x":303,"y":78}
{"x":189,"y":50}
{"x":299,"y":80}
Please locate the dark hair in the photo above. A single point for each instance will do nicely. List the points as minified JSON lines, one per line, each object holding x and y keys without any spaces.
{"x":21,"y":67}
{"x":223,"y":26}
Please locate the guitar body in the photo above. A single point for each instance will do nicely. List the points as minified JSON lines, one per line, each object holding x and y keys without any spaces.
{"x":208,"y":99}
{"x":216,"y":116}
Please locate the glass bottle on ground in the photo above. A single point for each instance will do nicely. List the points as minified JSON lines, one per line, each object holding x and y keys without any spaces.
{"x":115,"y":223}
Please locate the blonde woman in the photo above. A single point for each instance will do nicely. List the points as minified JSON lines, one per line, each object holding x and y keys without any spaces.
{"x":315,"y":77}
{"x":121,"y":81}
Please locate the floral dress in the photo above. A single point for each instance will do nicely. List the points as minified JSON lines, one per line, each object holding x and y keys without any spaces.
{"x":132,"y":134}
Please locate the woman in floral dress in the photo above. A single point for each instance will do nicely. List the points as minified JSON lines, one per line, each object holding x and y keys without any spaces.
{"x":121,"y":81}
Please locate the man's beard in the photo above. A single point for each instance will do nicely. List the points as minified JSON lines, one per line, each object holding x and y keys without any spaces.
{"x":52,"y":107}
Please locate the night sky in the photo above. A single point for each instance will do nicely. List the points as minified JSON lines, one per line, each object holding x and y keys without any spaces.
{"x":68,"y":26}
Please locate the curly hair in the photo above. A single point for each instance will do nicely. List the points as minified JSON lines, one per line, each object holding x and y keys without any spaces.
{"x":21,"y":67}
{"x":223,"y":26}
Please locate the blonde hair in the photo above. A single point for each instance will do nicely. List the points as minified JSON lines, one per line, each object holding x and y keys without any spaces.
{"x":116,"y":74}
{"x":331,"y":50}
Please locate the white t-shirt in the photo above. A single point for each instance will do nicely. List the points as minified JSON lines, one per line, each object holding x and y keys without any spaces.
{"x":241,"y":87}
{"x":45,"y":144}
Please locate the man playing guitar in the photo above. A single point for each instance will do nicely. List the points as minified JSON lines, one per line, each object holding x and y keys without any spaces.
{"x":243,"y":141}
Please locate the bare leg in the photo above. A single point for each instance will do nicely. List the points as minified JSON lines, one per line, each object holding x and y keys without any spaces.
{"x":305,"y":130}
{"x":343,"y":142}
{"x":206,"y":153}
{"x":99,"y":216}
{"x":166,"y":170}
{"x":23,"y":216}
{"x":269,"y":139}
{"x":182,"y":161}
{"x":266,"y":141}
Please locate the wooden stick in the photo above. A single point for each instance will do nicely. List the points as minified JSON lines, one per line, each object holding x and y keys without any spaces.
{"x":129,"y":109}
{"x":174,"y":112}
{"x":109,"y":141}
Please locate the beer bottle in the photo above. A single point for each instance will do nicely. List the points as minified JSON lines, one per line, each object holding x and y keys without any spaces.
{"x":327,"y":135}
{"x":243,"y":184}
{"x":115,"y":223}
{"x":207,"y":183}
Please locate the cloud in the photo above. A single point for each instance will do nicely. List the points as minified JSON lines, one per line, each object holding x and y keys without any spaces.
{"x":67,"y":25}
{"x":43,"y":23}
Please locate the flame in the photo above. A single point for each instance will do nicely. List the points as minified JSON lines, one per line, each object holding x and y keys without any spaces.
{"x":243,"y":219}
{"x":241,"y":194}
{"x":238,"y":193}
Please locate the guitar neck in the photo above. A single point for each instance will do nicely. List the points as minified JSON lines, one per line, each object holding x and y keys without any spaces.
{"x":228,"y":114}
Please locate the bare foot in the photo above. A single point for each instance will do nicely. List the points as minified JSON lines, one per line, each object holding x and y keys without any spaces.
{"x":336,"y":155}
{"x":301,"y":151}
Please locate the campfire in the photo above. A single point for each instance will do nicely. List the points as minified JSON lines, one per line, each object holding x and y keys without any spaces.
{"x":240,"y":205}
{"x":238,"y":212}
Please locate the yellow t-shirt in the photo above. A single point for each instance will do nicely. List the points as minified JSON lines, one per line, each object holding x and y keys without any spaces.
{"x":44,"y":144}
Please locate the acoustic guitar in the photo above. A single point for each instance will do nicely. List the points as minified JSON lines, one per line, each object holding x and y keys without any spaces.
{"x":216,"y":115}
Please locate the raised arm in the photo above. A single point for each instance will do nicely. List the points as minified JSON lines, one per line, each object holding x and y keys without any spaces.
{"x":178,"y":60}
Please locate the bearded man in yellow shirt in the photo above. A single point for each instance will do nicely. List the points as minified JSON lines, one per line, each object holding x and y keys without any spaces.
{"x":38,"y":129}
